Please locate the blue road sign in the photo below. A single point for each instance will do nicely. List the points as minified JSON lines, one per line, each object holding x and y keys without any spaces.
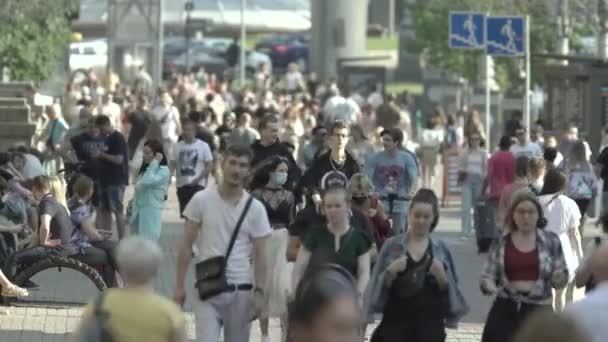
{"x":505,"y":36}
{"x":467,"y":30}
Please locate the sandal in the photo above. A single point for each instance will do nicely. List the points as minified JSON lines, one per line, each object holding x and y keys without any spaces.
{"x":14,"y":291}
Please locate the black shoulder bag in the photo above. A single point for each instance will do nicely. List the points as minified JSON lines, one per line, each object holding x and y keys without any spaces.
{"x":211,"y":273}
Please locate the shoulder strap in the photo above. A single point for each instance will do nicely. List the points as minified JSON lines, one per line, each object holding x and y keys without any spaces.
{"x":597,"y":240}
{"x":238,"y":226}
{"x":97,"y":306}
{"x":553,"y":199}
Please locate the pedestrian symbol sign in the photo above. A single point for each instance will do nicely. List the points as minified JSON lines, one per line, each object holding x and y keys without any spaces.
{"x":505,"y":36}
{"x":467,"y":30}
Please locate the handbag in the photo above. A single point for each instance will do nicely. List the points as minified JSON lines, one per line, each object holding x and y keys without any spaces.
{"x":411,"y":281}
{"x":211,"y":273}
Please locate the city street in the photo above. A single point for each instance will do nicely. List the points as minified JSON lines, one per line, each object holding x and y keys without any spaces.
{"x":53,"y":325}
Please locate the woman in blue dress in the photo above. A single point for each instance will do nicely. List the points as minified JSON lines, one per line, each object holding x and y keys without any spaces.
{"x":150,"y":192}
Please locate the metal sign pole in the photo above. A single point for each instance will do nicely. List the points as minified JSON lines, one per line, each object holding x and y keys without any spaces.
{"x":527,"y":82}
{"x":243,"y":47}
{"x":488,"y":101}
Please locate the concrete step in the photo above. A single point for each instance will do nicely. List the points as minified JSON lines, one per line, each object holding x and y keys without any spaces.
{"x":12,"y":101}
{"x":17,"y":114}
{"x":16,"y":130}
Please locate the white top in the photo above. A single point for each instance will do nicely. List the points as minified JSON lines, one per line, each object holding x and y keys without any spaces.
{"x":294,"y":80}
{"x":590,"y":313}
{"x":190,"y":160}
{"x":561,"y":213}
{"x":340,"y":108}
{"x":168,"y":116}
{"x":432,"y":137}
{"x":529,"y":150}
{"x":112,"y":110}
{"x":218,"y":220}
{"x":477,"y":162}
{"x":32,"y":167}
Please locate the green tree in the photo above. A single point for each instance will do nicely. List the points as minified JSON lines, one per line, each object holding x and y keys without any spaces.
{"x":431,"y":37}
{"x":34,"y":36}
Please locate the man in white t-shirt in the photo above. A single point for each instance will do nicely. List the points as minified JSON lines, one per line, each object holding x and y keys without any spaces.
{"x":112,"y":110}
{"x":167,"y":117}
{"x":192,"y":162}
{"x":211,"y":217}
{"x":523,"y":147}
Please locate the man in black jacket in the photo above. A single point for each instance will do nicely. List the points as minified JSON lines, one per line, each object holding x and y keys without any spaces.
{"x":269,"y":146}
{"x":337,"y":159}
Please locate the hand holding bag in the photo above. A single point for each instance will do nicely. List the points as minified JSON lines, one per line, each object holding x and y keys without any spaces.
{"x":211,"y":273}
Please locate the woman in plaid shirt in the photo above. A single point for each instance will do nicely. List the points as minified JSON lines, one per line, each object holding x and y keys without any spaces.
{"x":522,"y":268}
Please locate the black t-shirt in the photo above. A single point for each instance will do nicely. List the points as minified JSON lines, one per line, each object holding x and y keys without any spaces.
{"x":602,"y":159}
{"x":85,"y":146}
{"x":223,"y":132}
{"x":139,"y":126}
{"x":61,"y":224}
{"x":110,"y":173}
{"x":311,"y":180}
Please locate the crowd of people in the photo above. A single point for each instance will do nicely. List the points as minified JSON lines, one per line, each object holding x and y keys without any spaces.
{"x":309,"y":203}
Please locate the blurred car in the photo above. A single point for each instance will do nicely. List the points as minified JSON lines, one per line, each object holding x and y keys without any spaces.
{"x":200,"y":56}
{"x":284,"y":49}
{"x":174,"y":55}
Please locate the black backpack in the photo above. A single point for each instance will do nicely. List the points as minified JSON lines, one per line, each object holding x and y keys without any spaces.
{"x":591,"y":284}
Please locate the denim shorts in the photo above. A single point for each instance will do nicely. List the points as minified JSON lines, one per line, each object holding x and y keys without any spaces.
{"x":111,"y":197}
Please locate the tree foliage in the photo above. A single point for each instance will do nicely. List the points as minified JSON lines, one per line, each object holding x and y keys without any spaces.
{"x":430,"y":21}
{"x":34,"y":36}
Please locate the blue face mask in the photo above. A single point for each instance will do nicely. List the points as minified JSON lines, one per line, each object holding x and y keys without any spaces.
{"x":278,"y":178}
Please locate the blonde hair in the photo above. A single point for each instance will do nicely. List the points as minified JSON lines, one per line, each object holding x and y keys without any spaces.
{"x":57,"y":189}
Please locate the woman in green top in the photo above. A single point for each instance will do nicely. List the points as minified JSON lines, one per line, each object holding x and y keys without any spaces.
{"x":336,"y":242}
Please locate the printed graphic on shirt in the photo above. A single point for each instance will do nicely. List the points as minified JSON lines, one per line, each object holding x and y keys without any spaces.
{"x":391,"y":178}
{"x":188,"y":159}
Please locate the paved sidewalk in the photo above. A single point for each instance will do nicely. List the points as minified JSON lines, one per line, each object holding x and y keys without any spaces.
{"x":54,"y":325}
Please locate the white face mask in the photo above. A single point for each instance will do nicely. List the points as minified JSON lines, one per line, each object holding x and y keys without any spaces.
{"x":278,"y":178}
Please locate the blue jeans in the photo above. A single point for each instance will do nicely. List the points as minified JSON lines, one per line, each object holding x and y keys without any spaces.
{"x":471,"y":190}
{"x":399,"y":215}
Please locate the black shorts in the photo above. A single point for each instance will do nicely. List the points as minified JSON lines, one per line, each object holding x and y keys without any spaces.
{"x":185,"y":193}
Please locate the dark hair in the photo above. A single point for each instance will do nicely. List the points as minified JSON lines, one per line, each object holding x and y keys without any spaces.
{"x":550,"y":154}
{"x":16,"y":155}
{"x":555,"y":181}
{"x":427,"y":196}
{"x":239,"y":151}
{"x":261,"y":174}
{"x":395,"y":133}
{"x":5,"y":157}
{"x":42,"y":183}
{"x":505,"y":143}
{"x":518,"y":197}
{"x":102,"y":120}
{"x":521,"y":166}
{"x":320,"y":285}
{"x":317,"y":129}
{"x":188,"y":121}
{"x":338,"y":124}
{"x":268,"y":119}
{"x":82,"y":186}
{"x":156,"y":147}
{"x":450,"y":119}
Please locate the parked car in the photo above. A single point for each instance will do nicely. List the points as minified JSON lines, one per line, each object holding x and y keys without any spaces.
{"x":284,"y":49}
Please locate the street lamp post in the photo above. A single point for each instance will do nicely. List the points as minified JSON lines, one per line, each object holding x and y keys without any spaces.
{"x":188,"y":7}
{"x":243,"y":47}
